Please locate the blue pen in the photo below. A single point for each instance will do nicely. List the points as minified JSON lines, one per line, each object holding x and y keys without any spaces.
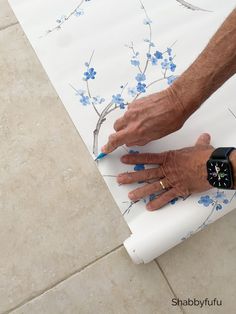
{"x":100,"y":156}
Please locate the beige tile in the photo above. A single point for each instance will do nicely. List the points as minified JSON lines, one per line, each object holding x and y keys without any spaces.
{"x":7,"y":17}
{"x":111,"y":285}
{"x":204,"y":266}
{"x":56,"y":212}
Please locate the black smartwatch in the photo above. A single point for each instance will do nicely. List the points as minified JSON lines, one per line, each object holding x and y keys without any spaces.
{"x":220,"y":170}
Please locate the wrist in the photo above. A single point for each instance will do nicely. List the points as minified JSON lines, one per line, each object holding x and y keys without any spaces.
{"x":189,"y":94}
{"x":232,"y":158}
{"x":177,"y":102}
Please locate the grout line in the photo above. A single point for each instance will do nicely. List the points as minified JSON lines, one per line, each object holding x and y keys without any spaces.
{"x":7,"y":26}
{"x":169,"y":285}
{"x":40,"y":293}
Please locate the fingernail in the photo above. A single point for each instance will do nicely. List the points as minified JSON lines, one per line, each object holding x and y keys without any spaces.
{"x":131,"y":195}
{"x":103,"y":149}
{"x":149,"y":207}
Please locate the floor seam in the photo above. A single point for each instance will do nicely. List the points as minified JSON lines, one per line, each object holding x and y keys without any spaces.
{"x":168,"y":283}
{"x":40,"y":293}
{"x":7,"y":26}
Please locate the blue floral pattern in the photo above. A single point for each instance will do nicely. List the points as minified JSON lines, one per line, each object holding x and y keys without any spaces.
{"x":152,"y":57}
{"x":76,"y":12}
{"x":217,"y":200}
{"x":89,"y":74}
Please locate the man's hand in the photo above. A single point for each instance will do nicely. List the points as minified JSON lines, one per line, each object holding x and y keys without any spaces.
{"x":147,"y":119}
{"x":181,"y":173}
{"x":160,"y":114}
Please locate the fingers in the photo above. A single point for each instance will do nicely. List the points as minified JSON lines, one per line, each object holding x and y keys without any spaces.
{"x":137,"y":143}
{"x":204,"y":139}
{"x":120,"y":124}
{"x":115,"y":140}
{"x":147,"y":158}
{"x":146,"y":190}
{"x":162,"y":199}
{"x":137,"y":176}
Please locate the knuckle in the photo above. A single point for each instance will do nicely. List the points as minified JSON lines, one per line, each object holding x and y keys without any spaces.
{"x":139,"y":130}
{"x":148,"y":157}
{"x":130,"y":177}
{"x":111,"y":137}
{"x":127,"y":115}
{"x":149,"y":173}
{"x":134,"y":114}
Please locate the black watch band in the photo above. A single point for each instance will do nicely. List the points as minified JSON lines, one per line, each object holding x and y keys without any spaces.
{"x":222,"y":152}
{"x":220,"y":172}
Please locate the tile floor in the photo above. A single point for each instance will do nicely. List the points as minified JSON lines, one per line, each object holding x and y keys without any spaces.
{"x":55,"y":257}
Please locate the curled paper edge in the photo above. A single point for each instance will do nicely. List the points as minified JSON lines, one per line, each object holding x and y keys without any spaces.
{"x":145,"y":247}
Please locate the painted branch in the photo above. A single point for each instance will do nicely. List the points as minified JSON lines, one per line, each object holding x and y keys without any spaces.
{"x":98,"y":127}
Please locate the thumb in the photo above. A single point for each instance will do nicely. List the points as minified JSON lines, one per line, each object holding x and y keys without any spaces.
{"x":204,"y":139}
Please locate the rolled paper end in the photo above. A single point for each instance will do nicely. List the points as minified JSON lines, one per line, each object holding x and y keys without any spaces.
{"x":130,"y":247}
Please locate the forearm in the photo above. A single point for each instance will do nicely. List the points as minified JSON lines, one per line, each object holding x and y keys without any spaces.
{"x":233,"y":162}
{"x":215,"y":65}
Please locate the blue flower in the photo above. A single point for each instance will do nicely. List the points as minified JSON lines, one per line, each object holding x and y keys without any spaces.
{"x":151,"y":44}
{"x":172,"y":202}
{"x":118,"y":100}
{"x":158,"y":55}
{"x":165,"y":64}
{"x":205,"y":200}
{"x":147,"y":21}
{"x":140,"y":77}
{"x":79,"y":12}
{"x":169,"y":51}
{"x":133,"y":151}
{"x":172,"y":67}
{"x":218,"y":207}
{"x":135,"y":62}
{"x":225,"y":201}
{"x":84,"y":100}
{"x":141,"y":88}
{"x":154,"y":61}
{"x":61,"y":19}
{"x":139,"y":167}
{"x":90,"y":74}
{"x":152,"y":197}
{"x":171,"y":79}
{"x":220,"y":195}
{"x":132,"y":91}
{"x":98,"y":100}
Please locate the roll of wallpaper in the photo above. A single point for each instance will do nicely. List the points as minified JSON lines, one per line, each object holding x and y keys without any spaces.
{"x":101,"y":55}
{"x":144,"y":247}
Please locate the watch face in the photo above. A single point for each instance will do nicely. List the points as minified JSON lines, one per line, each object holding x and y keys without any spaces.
{"x":219,"y":174}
